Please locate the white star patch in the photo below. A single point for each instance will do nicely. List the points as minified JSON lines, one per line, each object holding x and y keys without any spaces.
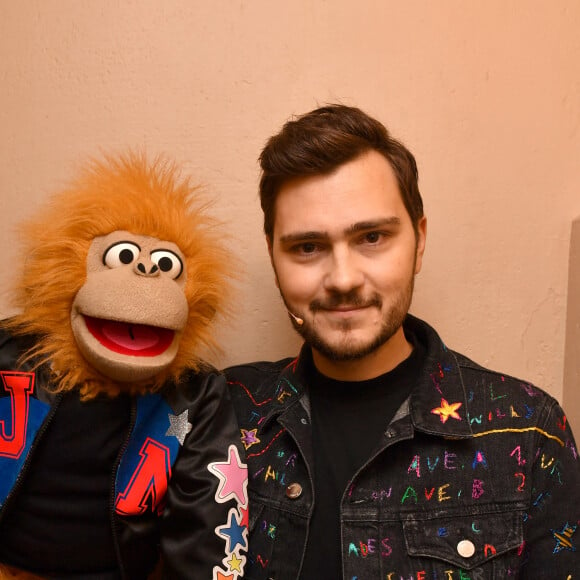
{"x":179,"y":426}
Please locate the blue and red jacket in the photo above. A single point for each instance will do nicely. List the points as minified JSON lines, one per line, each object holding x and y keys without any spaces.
{"x":179,"y":486}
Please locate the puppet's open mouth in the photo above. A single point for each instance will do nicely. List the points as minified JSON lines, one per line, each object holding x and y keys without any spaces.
{"x":128,"y":338}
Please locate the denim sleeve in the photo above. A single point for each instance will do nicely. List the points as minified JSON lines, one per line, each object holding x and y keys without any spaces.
{"x":552,"y":523}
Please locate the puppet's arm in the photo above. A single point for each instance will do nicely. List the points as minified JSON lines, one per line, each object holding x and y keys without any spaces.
{"x":204,"y":525}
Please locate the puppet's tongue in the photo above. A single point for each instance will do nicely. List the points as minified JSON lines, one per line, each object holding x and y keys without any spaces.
{"x":127,"y":338}
{"x":130,"y":336}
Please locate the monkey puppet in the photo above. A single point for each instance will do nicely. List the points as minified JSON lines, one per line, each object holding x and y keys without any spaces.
{"x":118,"y":445}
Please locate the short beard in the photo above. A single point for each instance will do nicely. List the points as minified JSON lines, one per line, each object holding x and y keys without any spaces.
{"x":348,"y":350}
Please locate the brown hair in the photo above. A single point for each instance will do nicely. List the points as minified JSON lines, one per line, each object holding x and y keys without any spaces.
{"x":320,"y":141}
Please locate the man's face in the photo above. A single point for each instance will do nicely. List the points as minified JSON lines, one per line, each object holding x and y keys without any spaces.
{"x":345,"y":255}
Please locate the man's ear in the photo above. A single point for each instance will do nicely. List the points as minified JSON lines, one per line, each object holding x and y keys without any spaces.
{"x":271,"y":254}
{"x":421,"y":240}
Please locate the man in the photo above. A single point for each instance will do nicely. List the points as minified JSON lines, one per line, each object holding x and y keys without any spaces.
{"x":378,"y":452}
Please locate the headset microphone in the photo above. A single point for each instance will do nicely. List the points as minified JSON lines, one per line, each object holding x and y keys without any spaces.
{"x":298,"y":320}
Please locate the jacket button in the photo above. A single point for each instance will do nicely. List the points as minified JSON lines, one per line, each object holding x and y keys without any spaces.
{"x":294,"y":491}
{"x":465,"y":548}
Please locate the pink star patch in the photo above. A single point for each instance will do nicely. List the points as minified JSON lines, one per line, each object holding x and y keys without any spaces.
{"x":233,"y":476}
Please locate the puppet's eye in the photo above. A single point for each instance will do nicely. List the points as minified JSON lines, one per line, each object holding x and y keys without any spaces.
{"x":168,"y":262}
{"x":121,"y":254}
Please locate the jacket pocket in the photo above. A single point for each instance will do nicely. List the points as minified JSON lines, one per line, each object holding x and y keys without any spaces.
{"x":276,"y":541}
{"x":255,"y":513}
{"x":466,"y":541}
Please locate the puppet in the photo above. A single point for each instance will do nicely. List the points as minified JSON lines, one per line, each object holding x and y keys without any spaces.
{"x":118,"y":444}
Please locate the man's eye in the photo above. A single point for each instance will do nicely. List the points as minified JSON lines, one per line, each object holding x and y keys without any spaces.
{"x":308,"y":248}
{"x":304,"y":248}
{"x":372,"y":237}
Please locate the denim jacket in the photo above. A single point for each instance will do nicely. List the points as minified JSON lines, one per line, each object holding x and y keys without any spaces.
{"x":476,"y":477}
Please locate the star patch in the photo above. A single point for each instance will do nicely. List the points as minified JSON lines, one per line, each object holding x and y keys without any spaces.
{"x":219,"y":575}
{"x":249,"y":438}
{"x":562,"y":538}
{"x":233,"y":476}
{"x":245,"y":517}
{"x":235,"y":563}
{"x":233,"y":533}
{"x":447,"y":410}
{"x":179,"y":426}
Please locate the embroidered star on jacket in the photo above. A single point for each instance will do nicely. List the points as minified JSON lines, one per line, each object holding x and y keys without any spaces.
{"x":249,"y":437}
{"x":447,"y":410}
{"x":563,"y":538}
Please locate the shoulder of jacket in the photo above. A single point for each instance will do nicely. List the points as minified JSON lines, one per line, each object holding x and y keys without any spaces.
{"x":256,"y":383}
{"x":501,"y":385}
{"x":12,"y":347}
{"x":194,"y":383}
{"x":258,"y":372}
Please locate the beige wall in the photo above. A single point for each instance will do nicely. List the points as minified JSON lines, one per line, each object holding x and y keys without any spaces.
{"x":487,"y":94}
{"x":571,"y":394}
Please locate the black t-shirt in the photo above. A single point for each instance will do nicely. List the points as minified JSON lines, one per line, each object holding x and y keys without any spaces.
{"x":60,"y":521}
{"x":348,"y":419}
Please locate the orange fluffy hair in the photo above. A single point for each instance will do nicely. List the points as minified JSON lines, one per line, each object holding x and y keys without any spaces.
{"x":119,"y":193}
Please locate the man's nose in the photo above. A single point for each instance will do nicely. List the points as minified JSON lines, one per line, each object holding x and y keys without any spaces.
{"x":344,"y":273}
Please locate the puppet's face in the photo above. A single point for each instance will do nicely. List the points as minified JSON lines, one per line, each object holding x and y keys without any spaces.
{"x":128,"y":315}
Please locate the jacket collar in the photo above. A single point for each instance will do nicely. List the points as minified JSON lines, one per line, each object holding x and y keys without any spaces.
{"x":438,"y":404}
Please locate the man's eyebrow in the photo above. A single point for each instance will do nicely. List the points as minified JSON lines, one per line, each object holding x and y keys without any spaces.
{"x":353,"y":229}
{"x":374,"y":224}
{"x":302,"y":237}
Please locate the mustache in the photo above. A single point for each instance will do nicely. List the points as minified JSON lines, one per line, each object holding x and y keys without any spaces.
{"x":350,"y":299}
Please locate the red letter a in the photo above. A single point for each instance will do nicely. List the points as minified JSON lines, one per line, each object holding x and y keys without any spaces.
{"x":149,"y":481}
